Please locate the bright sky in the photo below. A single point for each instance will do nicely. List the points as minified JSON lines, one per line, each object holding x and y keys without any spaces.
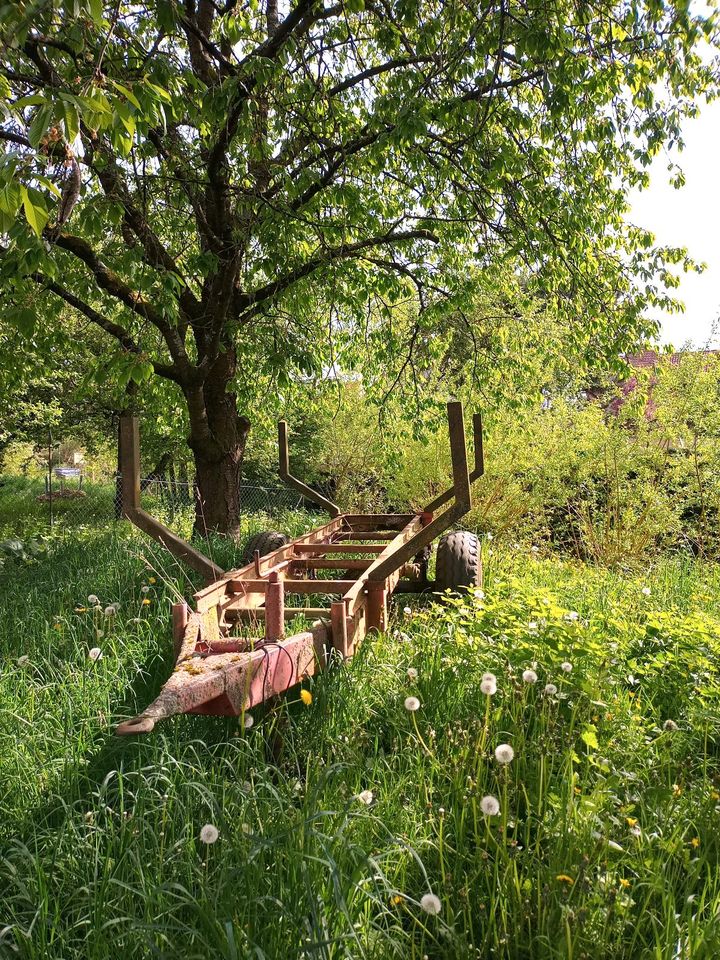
{"x":689,"y":217}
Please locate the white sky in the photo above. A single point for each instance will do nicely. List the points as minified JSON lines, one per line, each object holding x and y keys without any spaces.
{"x":689,"y":217}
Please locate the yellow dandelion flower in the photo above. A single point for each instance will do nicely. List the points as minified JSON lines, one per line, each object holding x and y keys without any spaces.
{"x":564,"y":878}
{"x":677,"y":789}
{"x":57,"y":626}
{"x":306,"y":697}
{"x":396,"y":899}
{"x":578,"y":791}
{"x":715,"y":795}
{"x":695,"y":842}
{"x":80,"y":609}
{"x":152,"y":580}
{"x":146,"y":602}
{"x":624,"y":883}
{"x":631,"y":821}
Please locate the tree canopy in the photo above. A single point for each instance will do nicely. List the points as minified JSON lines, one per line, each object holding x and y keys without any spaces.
{"x":235,"y":192}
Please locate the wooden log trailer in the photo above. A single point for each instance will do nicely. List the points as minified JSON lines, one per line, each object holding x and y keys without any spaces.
{"x":220,"y":668}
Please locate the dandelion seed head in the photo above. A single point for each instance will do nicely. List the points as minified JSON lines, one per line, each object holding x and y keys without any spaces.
{"x":366,"y":797}
{"x":92,"y":599}
{"x":23,"y":661}
{"x":529,"y":676}
{"x":670,"y":726}
{"x":412,"y":673}
{"x":572,"y":615}
{"x":566,"y":666}
{"x":646,"y":591}
{"x":110,"y":610}
{"x":479,"y":594}
{"x":431,"y":904}
{"x":504,"y":753}
{"x":248,"y":720}
{"x":412,"y":704}
{"x":144,"y":588}
{"x":407,"y":611}
{"x":488,"y":687}
{"x":490,"y":806}
{"x":209,"y":833}
{"x":550,"y":689}
{"x":532,"y":626}
{"x":95,"y":653}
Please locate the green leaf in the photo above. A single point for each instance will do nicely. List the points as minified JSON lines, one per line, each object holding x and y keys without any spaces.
{"x":127,"y":93}
{"x":32,"y":101}
{"x":39,"y":126}
{"x":35,"y":215}
{"x":23,"y":319}
{"x":49,"y":185}
{"x":96,"y":10}
{"x":158,"y":91}
{"x":589,"y":738}
{"x":72,"y":121}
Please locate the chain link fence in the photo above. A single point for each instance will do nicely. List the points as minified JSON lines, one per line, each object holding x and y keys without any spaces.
{"x":34,"y":507}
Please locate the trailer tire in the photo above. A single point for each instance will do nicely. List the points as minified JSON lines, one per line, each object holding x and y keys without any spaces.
{"x":264,"y":542}
{"x":458,"y":562}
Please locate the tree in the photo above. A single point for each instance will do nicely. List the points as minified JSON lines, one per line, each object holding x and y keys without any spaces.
{"x":220,"y":163}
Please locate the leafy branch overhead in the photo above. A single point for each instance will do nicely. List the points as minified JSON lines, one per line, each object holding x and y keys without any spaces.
{"x":195,"y":177}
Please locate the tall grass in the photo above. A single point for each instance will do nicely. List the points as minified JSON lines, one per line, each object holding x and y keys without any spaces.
{"x":335,"y":819}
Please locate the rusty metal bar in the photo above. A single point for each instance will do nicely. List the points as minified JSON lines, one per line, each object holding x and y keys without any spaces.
{"x":292,"y":481}
{"x":130,"y":469}
{"x":478,"y":470}
{"x":249,"y":613}
{"x":130,"y":464}
{"x":274,"y":608}
{"x":339,"y":639}
{"x":241,"y":586}
{"x":217,"y":592}
{"x":340,"y":547}
{"x":366,"y":535}
{"x":313,"y":564}
{"x":463,"y":502}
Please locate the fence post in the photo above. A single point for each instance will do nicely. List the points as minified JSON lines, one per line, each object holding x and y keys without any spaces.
{"x":130,"y":463}
{"x":50,"y":490}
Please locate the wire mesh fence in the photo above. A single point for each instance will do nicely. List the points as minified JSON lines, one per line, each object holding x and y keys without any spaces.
{"x":32,"y":507}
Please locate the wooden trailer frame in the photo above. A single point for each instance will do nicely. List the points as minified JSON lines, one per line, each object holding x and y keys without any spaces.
{"x":217,"y":673}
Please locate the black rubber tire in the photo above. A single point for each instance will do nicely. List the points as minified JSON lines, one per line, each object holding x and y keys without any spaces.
{"x":458,"y":562}
{"x":264,"y":542}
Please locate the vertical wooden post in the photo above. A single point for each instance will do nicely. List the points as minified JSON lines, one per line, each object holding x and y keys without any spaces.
{"x":179,"y":622}
{"x":274,"y":608}
{"x":338,"y":619}
{"x":479,"y":449}
{"x":376,"y":605}
{"x":458,"y":453}
{"x":130,"y":464}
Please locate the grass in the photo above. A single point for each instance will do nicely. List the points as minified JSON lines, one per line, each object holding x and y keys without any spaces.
{"x":605,"y":846}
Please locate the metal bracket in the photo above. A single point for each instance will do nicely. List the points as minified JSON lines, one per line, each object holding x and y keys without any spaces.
{"x":292,"y":481}
{"x":131,"y":509}
{"x":478,"y":470}
{"x":460,"y":490}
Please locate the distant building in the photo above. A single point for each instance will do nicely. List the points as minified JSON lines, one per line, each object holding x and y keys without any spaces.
{"x":647,"y":360}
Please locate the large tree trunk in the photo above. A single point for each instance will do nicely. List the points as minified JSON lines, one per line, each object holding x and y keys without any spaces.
{"x":218,"y":435}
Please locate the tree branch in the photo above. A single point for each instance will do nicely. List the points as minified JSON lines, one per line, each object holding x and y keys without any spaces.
{"x":109,"y":281}
{"x":123,"y":337}
{"x":343,"y":252}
